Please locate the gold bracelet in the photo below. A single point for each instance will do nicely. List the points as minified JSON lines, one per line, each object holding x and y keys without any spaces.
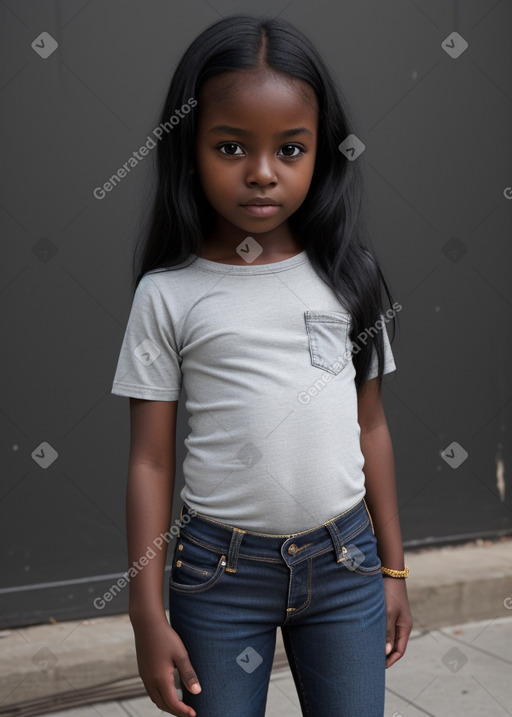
{"x":396,"y":573}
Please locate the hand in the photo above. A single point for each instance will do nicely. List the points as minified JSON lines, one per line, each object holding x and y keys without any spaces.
{"x":159,"y":650}
{"x":398,"y":619}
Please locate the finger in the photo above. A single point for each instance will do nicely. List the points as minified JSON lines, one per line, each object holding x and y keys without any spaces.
{"x":157,"y":699}
{"x":390,"y":633}
{"x":187,"y":674}
{"x":401,"y":638}
{"x":177,"y":706}
{"x":392,"y":658}
{"x":172,"y":704}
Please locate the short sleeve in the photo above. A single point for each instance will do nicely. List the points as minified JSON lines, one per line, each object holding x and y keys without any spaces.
{"x":149,"y":365}
{"x":389,"y":361}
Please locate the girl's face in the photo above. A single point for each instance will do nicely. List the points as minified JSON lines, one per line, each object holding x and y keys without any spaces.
{"x":256,"y":138}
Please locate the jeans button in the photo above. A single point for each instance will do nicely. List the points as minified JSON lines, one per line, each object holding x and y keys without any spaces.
{"x":292,"y":549}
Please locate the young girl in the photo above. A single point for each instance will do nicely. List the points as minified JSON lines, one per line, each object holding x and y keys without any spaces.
{"x":257,"y":292}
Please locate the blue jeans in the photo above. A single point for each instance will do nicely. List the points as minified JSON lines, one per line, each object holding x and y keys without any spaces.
{"x":229,"y":589}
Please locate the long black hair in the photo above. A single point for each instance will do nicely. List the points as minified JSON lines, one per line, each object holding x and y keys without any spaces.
{"x":330,"y":223}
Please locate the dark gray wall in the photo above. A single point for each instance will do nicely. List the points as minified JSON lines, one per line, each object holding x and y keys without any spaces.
{"x":437,"y":162}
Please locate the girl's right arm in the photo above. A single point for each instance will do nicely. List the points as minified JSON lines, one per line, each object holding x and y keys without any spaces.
{"x":149,"y":497}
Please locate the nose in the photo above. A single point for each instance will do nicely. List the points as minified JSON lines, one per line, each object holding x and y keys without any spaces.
{"x":261,"y":172}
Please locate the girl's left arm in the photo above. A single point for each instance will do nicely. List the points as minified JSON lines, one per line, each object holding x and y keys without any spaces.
{"x":381,"y":498}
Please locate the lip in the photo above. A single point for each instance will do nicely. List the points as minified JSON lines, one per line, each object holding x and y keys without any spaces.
{"x":261,"y":210}
{"x":259,"y":201}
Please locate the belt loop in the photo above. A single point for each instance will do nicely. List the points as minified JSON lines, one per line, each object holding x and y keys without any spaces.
{"x":339,"y":549}
{"x":234,"y":547}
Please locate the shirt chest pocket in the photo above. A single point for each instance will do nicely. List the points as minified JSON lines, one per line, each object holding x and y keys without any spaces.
{"x":329,"y":339}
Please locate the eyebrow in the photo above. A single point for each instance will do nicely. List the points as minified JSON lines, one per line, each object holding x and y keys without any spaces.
{"x":227,"y":129}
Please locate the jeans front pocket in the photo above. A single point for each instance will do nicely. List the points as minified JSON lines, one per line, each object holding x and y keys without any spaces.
{"x":195,"y":566}
{"x":330,"y":346}
{"x":360,"y":551}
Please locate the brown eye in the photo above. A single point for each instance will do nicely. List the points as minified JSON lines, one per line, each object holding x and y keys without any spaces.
{"x":292,"y":147}
{"x":229,"y":144}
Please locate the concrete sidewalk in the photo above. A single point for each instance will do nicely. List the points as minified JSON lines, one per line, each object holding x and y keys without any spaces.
{"x":458,"y":671}
{"x":451,"y":667}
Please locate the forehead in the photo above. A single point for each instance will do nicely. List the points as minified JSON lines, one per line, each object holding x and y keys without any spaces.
{"x":257,"y":99}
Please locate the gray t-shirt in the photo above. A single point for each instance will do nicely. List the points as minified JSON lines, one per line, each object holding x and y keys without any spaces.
{"x":263,"y":353}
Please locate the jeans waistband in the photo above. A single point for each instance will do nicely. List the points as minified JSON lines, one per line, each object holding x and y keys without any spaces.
{"x":236,"y":543}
